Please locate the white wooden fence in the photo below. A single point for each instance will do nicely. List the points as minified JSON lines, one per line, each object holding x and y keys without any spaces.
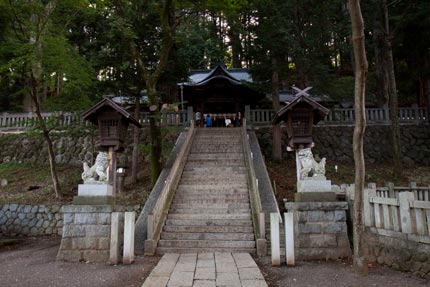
{"x":256,"y":117}
{"x":24,"y":120}
{"x":398,"y":211}
{"x":262,"y":117}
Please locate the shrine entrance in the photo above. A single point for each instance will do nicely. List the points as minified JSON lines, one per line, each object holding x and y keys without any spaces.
{"x":219,"y":92}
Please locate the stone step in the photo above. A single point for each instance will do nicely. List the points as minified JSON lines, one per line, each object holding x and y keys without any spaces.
{"x":211,"y":197}
{"x":164,"y":250}
{"x":208,"y":229}
{"x":215,"y":149}
{"x":213,"y":191}
{"x":207,"y":236}
{"x":206,"y":244}
{"x":219,"y":186}
{"x":214,"y":169}
{"x":201,"y":216}
{"x":215,"y":174}
{"x":214,"y":163}
{"x":215,"y":184}
{"x":217,"y":178}
{"x":231,"y":205}
{"x":209,"y":210}
{"x":212,"y":141}
{"x":216,"y":156}
{"x":209,"y":222}
{"x":209,"y":201}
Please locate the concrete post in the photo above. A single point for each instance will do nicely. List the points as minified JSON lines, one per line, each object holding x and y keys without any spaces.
{"x":274,"y":239}
{"x":289,"y":238}
{"x":116,"y":237}
{"x":129,"y":222}
{"x":405,"y":211}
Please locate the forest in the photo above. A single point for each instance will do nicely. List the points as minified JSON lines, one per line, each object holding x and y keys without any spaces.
{"x":67,"y":54}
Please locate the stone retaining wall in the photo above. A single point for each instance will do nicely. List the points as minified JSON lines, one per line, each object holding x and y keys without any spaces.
{"x":34,"y":220}
{"x":30,"y":220}
{"x":335,"y":143}
{"x":320,"y":231}
{"x":87,"y":232}
{"x":70,"y":149}
{"x":398,"y":252}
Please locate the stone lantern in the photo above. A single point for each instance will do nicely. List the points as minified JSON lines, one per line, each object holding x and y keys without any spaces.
{"x":112,"y":121}
{"x":100,"y":179}
{"x":299,"y":116}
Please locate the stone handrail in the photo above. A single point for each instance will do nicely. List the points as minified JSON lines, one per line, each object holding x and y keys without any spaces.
{"x":401,"y":212}
{"x":263,"y":117}
{"x":158,"y":215}
{"x":257,"y":210}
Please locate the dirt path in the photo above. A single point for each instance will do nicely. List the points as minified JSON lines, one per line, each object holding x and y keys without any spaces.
{"x":335,"y":274}
{"x":32,"y":263}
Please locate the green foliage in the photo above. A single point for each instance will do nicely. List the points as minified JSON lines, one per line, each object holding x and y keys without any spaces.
{"x":9,"y":167}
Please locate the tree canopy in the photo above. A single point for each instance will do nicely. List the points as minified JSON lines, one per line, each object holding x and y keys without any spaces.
{"x":83,"y":47}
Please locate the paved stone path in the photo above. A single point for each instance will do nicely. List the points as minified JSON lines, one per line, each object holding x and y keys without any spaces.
{"x":206,"y":270}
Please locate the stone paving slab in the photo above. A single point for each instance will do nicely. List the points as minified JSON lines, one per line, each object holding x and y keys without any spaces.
{"x":206,"y":270}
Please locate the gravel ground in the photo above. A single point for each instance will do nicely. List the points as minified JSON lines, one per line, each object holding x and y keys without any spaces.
{"x":335,"y":274}
{"x":32,"y":263}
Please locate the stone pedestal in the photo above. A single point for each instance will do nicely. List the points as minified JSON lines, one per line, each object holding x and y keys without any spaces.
{"x":94,"y":194}
{"x":320,"y":230}
{"x":95,"y":189}
{"x":314,"y":190}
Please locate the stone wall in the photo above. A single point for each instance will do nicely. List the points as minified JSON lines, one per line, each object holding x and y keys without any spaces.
{"x":320,"y":231}
{"x":34,"y":220}
{"x":398,"y":251}
{"x":30,"y":220}
{"x":87,"y":232}
{"x":335,"y":143}
{"x":70,"y":148}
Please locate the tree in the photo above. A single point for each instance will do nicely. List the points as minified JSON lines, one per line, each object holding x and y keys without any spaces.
{"x":43,"y":60}
{"x":361,"y":67}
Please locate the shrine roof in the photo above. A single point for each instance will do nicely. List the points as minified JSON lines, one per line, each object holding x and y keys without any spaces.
{"x":235,"y":76}
{"x":106,"y":103}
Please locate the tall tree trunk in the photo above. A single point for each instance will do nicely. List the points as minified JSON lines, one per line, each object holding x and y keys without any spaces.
{"x":33,"y":91}
{"x":392,"y":93}
{"x":382,"y":81}
{"x":135,"y":156}
{"x":276,"y":129}
{"x":155,"y":156}
{"x":151,"y":79}
{"x":235,"y":43}
{"x":361,"y":67}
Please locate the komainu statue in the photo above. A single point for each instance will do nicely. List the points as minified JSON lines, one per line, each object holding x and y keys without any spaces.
{"x":310,"y":169}
{"x":98,"y":173}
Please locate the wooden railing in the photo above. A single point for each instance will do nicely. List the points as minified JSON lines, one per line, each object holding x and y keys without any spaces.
{"x":257,"y":210}
{"x":25,"y":120}
{"x":256,"y":117}
{"x":263,"y":117}
{"x":158,"y":215}
{"x":398,"y":211}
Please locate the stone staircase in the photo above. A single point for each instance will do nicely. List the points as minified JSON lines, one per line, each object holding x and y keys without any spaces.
{"x":211,"y":210}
